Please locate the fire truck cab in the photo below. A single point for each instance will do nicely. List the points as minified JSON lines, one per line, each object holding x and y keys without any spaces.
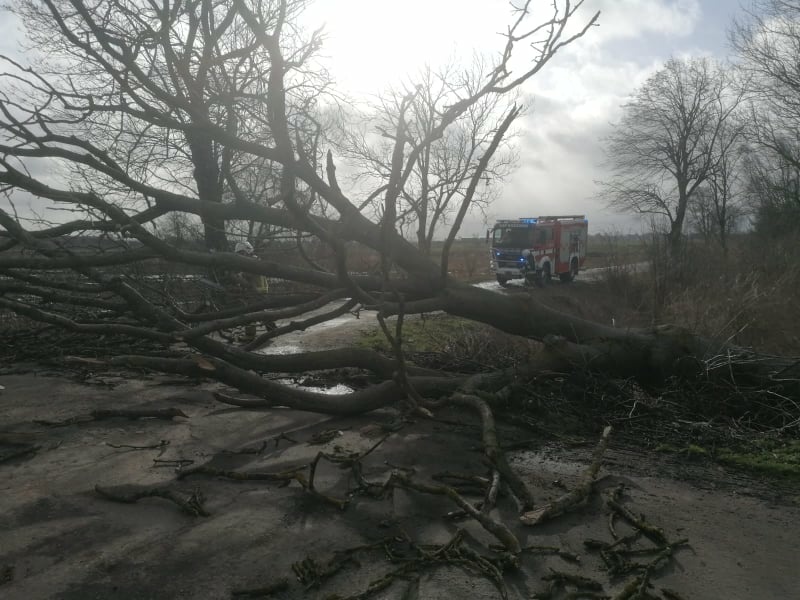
{"x":537,"y":248}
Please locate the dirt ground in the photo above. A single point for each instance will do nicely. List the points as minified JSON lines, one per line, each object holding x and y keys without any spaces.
{"x":60,"y":539}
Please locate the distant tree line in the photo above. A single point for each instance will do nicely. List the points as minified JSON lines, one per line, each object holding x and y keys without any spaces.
{"x":712,"y":146}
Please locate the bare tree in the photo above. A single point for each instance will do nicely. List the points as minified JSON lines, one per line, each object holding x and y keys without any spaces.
{"x":439,"y":178}
{"x":718,"y":206}
{"x":767,"y":44}
{"x":45,"y":117}
{"x":669,"y":141}
{"x":149,"y":83}
{"x":772,"y":191}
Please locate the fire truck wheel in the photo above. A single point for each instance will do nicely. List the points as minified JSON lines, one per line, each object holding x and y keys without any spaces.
{"x":503,"y":281}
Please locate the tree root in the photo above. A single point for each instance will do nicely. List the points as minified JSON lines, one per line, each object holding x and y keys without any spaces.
{"x":193,"y":505}
{"x":101,"y":415}
{"x":577,"y":495}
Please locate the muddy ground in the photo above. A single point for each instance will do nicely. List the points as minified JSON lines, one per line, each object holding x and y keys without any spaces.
{"x":60,"y":539}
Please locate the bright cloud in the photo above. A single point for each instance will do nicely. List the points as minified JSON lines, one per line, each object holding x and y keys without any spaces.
{"x":374,"y":44}
{"x":636,"y":18}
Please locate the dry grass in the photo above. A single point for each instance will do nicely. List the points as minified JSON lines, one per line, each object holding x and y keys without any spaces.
{"x":441,"y":341}
{"x":747,"y":296}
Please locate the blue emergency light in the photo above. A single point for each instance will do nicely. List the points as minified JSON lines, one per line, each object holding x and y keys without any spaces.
{"x":529,"y":220}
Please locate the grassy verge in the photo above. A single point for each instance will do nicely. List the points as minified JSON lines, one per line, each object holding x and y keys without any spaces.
{"x":770,"y":458}
{"x":735,"y":297}
{"x":441,"y":341}
{"x":428,"y":333}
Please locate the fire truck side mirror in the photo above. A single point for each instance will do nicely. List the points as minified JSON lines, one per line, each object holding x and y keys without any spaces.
{"x":488,"y":235}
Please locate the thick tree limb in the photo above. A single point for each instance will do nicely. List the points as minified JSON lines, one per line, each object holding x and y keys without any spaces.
{"x":577,"y":495}
{"x":492,"y":450}
{"x":275,"y":394}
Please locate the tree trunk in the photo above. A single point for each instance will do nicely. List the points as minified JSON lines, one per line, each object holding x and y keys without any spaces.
{"x":207,"y":178}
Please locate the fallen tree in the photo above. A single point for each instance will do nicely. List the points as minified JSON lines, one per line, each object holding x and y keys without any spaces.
{"x":161,"y":109}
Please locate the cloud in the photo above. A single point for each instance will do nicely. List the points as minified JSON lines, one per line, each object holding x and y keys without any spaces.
{"x":572,"y":105}
{"x":371,"y":44}
{"x":625,"y":19}
{"x":572,"y":101}
{"x":575,"y":100}
{"x":10,"y":33}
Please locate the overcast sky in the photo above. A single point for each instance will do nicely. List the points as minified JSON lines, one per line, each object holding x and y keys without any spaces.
{"x":372,"y":44}
{"x":570,"y":105}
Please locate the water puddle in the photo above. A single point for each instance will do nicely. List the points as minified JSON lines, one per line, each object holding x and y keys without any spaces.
{"x":281,"y":349}
{"x":333,"y":390}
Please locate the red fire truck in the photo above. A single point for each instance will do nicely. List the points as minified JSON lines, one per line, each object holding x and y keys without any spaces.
{"x":537,"y":248}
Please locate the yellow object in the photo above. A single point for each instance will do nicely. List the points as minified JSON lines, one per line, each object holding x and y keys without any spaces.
{"x":262,"y":285}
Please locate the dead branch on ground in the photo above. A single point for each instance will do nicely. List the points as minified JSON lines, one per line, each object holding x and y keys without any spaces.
{"x":577,"y":495}
{"x":193,"y":505}
{"x":655,"y":534}
{"x":284,"y":477}
{"x":498,"y":529}
{"x":162,"y":445}
{"x":413,"y":559}
{"x":558,"y":581}
{"x":492,"y":449}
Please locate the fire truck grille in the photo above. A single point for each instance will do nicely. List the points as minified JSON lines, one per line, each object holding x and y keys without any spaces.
{"x":508,"y":260}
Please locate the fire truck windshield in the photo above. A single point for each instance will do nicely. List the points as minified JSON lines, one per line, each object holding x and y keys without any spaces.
{"x":512,"y":237}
